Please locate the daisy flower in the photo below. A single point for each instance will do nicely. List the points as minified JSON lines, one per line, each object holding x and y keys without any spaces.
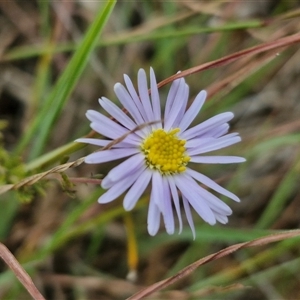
{"x":159,"y":152}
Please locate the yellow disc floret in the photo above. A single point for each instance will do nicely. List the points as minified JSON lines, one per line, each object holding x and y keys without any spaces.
{"x":165,"y":152}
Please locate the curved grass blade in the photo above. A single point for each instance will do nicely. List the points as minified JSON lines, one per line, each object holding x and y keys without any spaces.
{"x":41,"y":126}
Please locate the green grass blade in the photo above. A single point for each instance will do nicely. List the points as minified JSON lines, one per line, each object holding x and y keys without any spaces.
{"x":280,"y":197}
{"x":41,"y":126}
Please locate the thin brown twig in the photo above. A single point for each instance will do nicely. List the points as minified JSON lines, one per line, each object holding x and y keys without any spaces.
{"x":20,"y":273}
{"x":224,"y":252}
{"x":62,"y":168}
{"x":286,"y":41}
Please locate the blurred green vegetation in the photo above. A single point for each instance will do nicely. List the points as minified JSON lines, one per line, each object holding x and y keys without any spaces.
{"x":66,"y":56}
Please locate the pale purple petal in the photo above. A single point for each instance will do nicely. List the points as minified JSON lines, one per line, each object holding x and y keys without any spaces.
{"x":221,"y":218}
{"x":211,"y":184}
{"x":201,"y":206}
{"x":119,"y":188}
{"x":153,"y":218}
{"x":136,"y":99}
{"x":184,"y":101}
{"x":171,"y":95}
{"x":207,"y":125}
{"x":157,"y":190}
{"x":176,"y":106}
{"x":131,"y":139}
{"x":109,"y":128}
{"x":188,"y":214}
{"x":192,"y":111}
{"x":217,"y":131}
{"x":130,"y":165}
{"x":109,"y":155}
{"x":136,"y":190}
{"x":199,"y":142}
{"x":212,"y":145}
{"x":155,"y":99}
{"x":127,"y":102}
{"x":167,"y":207}
{"x":144,"y":95}
{"x":175,"y":198}
{"x":96,"y":142}
{"x":117,"y":113}
{"x":103,"y":123}
{"x":217,"y":159}
{"x":212,"y":201}
{"x":103,"y":143}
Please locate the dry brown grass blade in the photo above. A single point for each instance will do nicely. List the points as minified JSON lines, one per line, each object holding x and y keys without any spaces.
{"x":234,"y":79}
{"x":64,"y":167}
{"x":34,"y":178}
{"x":20,"y":273}
{"x":283,"y":42}
{"x":189,"y":269}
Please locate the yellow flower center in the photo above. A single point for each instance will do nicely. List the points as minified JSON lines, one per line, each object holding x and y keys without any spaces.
{"x":165,"y":152}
